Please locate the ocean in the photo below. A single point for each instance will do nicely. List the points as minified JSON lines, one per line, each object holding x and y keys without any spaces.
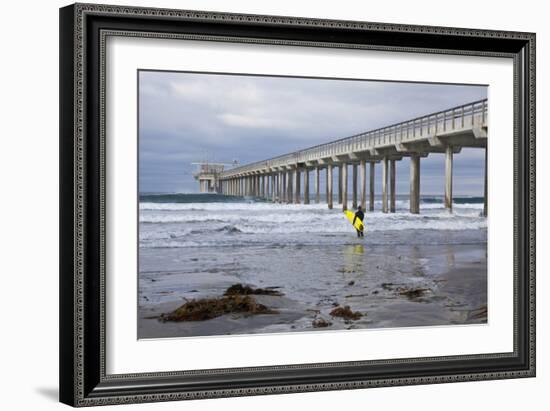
{"x":194,"y":246}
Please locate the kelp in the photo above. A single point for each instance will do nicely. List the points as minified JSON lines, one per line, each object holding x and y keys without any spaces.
{"x":321,"y":323}
{"x":346,"y":313}
{"x":239,"y":289}
{"x":208,"y":308}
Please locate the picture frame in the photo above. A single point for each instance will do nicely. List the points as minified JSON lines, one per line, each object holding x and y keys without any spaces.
{"x":84,"y":380}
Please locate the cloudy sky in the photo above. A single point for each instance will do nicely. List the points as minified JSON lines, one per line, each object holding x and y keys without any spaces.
{"x":190,"y":117}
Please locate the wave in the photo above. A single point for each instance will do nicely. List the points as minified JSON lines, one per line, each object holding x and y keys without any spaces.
{"x":301,"y":241}
{"x":194,"y":224}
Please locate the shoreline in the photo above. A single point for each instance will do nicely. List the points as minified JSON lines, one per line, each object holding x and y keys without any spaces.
{"x":370,"y":279}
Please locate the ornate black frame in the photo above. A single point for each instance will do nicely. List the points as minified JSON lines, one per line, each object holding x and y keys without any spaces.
{"x":83,"y":30}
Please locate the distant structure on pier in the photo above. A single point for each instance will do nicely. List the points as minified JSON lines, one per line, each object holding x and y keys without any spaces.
{"x":208,"y":175}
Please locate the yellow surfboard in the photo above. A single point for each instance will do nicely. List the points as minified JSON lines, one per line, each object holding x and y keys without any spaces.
{"x":358,"y":223}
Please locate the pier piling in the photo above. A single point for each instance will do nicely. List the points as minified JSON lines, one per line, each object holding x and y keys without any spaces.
{"x":371,"y":187}
{"x":392,"y":186}
{"x":329,"y":186}
{"x":344,"y":169}
{"x":449,"y":177}
{"x":316,"y":184}
{"x":363,"y":171}
{"x":306,"y":186}
{"x":415,"y":184}
{"x":385,"y":185}
{"x":354,"y":183}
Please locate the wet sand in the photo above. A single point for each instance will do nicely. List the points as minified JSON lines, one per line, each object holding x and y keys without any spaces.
{"x":371,"y":279}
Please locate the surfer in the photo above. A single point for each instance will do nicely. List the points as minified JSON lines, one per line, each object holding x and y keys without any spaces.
{"x":359,"y":215}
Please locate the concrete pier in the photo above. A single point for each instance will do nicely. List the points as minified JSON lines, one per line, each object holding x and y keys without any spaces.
{"x":306,"y":186}
{"x":354,"y":186}
{"x":339,"y":184}
{"x":316,"y":186}
{"x":344,"y":169}
{"x":296,"y":184}
{"x":284,"y":190}
{"x":289,"y":188}
{"x":415,"y":184}
{"x":329,"y":186}
{"x":385,"y":185}
{"x":371,"y":187}
{"x":449,"y":178}
{"x":363,"y":171}
{"x":392,"y":186}
{"x":445,"y":132}
{"x":280,"y":187}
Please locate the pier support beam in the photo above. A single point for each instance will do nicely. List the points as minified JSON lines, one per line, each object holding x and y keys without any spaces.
{"x":329,"y":186}
{"x":363,"y":172}
{"x":371,"y":188}
{"x":392,"y":186}
{"x":485,"y":187}
{"x":415,"y":184}
{"x":284,"y":187}
{"x":316,"y":184}
{"x":296,"y":184}
{"x":289,"y":187}
{"x":262,"y":182}
{"x":354,"y":183}
{"x":306,"y":186}
{"x":340,"y":184}
{"x":344,"y":169}
{"x":385,"y":185}
{"x":449,"y":177}
{"x":280,"y":187}
{"x":273,"y":188}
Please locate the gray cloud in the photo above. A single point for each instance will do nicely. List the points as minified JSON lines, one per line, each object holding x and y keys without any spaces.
{"x":187,"y":117}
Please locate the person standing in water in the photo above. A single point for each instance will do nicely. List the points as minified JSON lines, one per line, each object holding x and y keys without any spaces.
{"x":361,"y":216}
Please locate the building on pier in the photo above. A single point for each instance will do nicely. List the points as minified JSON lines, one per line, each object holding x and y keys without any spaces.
{"x":208,"y":175}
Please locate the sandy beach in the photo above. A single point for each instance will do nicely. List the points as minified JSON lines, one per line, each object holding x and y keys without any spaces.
{"x":390,"y":286}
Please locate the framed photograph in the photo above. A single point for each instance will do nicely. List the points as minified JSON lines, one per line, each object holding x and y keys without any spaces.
{"x":262,"y":204}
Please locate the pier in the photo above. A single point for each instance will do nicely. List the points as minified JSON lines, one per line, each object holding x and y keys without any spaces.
{"x":279,"y":179}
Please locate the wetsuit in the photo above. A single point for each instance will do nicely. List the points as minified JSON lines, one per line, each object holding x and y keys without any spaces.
{"x":360,"y":215}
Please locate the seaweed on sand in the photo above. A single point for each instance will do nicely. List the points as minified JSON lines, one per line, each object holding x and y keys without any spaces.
{"x":239,"y":289}
{"x":321,"y":323}
{"x":346,"y":313}
{"x":413,"y":293}
{"x":208,"y":308}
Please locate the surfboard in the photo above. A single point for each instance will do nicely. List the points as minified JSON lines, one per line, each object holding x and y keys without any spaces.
{"x":358,"y":223}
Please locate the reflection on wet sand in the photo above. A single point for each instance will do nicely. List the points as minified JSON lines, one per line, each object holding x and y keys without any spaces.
{"x":350,"y":286}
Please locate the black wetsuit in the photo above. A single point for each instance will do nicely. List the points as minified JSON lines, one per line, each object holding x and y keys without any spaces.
{"x":359,"y":214}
